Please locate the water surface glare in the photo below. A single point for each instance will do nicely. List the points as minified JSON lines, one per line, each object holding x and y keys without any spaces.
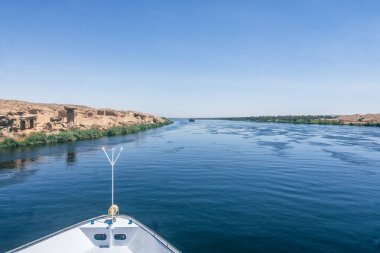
{"x":207,"y":186}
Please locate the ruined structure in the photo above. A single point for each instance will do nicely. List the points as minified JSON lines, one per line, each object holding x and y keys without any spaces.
{"x":70,"y":112}
{"x":5,"y":121}
{"x":19,"y":119}
{"x":27,"y":121}
{"x":106,"y":112}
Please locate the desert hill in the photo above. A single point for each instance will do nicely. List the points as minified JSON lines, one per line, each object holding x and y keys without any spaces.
{"x":19,"y":118}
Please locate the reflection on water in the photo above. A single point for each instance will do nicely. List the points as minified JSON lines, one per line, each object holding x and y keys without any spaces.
{"x":228,"y":186}
{"x":13,"y":160}
{"x":70,"y":158}
{"x":11,"y":171}
{"x":71,"y":155}
{"x":17,"y":164}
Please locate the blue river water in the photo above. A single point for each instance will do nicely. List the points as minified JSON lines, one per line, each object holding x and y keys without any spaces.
{"x":207,"y":186}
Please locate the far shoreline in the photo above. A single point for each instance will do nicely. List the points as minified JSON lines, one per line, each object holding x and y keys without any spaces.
{"x":303,"y":119}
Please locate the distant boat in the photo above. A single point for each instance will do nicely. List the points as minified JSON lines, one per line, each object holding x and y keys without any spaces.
{"x":112,"y":233}
{"x":191,"y":120}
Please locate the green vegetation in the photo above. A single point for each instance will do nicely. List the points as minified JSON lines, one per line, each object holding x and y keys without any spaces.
{"x":307,"y":119}
{"x":75,"y":134}
{"x":304,"y":119}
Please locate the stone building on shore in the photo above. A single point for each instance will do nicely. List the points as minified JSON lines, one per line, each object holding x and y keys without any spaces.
{"x":19,"y":118}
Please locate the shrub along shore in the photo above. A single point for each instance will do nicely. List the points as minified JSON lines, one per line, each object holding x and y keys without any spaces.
{"x":76,"y":134}
{"x":309,"y":119}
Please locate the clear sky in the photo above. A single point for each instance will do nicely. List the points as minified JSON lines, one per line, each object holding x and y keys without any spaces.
{"x":194,"y":58}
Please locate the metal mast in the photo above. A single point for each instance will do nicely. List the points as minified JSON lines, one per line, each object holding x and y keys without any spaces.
{"x":112,"y":161}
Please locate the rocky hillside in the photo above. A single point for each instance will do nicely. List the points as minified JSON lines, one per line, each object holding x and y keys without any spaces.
{"x":358,"y":119}
{"x":19,"y":118}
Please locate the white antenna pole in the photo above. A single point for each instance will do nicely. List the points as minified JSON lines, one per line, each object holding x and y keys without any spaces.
{"x":112,"y":161}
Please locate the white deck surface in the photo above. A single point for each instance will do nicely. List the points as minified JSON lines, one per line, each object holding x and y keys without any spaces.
{"x":80,"y":239}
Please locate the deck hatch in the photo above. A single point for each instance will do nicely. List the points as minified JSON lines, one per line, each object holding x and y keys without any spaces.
{"x":100,"y":237}
{"x":120,"y":236}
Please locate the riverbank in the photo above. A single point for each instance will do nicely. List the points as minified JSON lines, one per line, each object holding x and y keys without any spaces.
{"x":347,"y":120}
{"x":19,"y":119}
{"x":25,"y":123}
{"x":75,"y":134}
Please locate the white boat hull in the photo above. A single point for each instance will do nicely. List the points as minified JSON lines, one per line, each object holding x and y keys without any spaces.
{"x":97,"y":235}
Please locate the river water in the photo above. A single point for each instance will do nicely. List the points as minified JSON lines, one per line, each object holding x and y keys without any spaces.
{"x":207,"y":186}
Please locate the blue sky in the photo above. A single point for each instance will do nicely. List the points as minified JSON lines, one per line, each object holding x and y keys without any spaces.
{"x":194,"y":58}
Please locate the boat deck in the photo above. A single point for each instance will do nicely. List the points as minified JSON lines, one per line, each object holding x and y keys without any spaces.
{"x":126,"y":235}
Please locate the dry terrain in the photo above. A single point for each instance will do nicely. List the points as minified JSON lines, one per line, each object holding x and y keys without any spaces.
{"x":358,"y":119}
{"x":19,"y":118}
